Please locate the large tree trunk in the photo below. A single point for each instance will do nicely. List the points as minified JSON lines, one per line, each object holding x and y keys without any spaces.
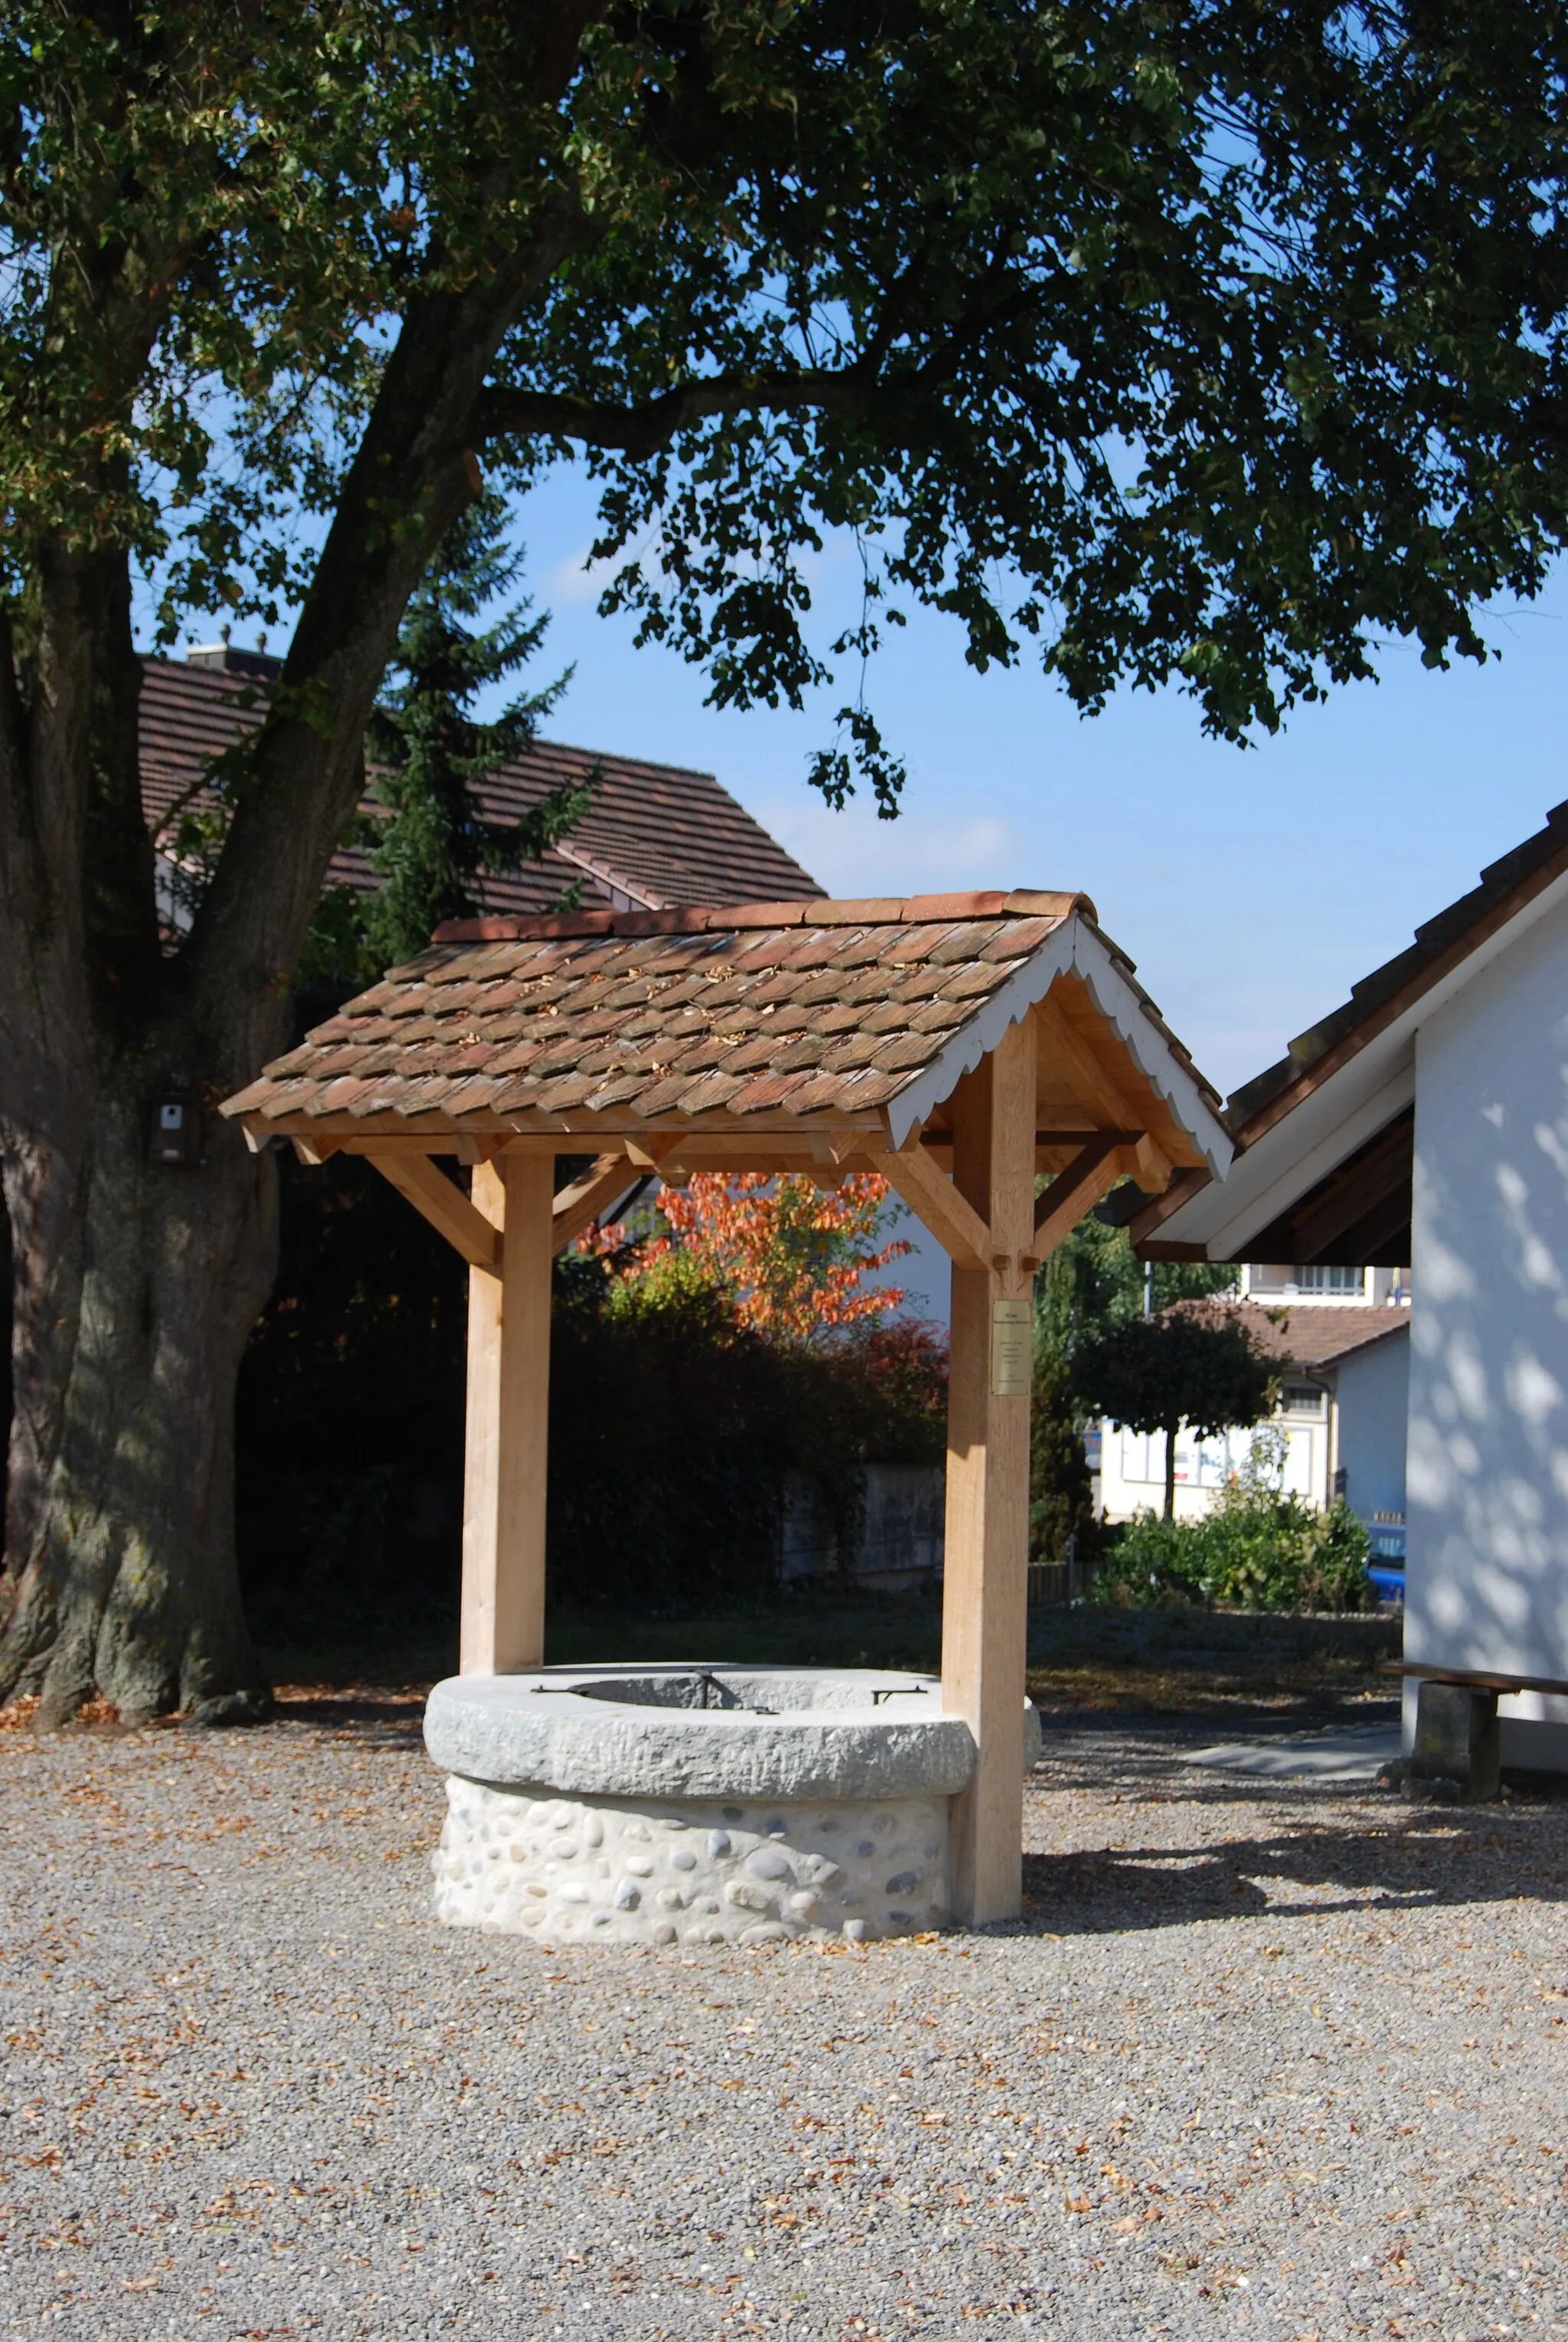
{"x":137,"y":1286}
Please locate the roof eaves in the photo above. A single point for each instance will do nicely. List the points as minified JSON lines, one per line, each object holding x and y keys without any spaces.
{"x":1076,"y":946}
{"x":1442,"y":944}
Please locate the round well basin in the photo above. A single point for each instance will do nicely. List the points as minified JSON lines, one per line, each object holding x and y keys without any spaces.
{"x":696,"y":1804}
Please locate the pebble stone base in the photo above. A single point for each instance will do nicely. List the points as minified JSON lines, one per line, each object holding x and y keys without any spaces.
{"x":591,"y":1870}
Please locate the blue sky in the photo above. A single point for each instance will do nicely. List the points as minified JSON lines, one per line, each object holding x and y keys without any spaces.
{"x":1252,"y":889}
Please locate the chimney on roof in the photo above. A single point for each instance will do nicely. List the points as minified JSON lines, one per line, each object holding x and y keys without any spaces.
{"x":260,"y":665}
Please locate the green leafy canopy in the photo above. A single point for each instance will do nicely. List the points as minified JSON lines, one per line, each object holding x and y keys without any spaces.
{"x":1191,"y":341}
{"x":1198,"y":1366}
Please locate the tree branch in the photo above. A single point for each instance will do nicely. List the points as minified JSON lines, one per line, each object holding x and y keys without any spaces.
{"x":411,"y":476}
{"x":645,"y":429}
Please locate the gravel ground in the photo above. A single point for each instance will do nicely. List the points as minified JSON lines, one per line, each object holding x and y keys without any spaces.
{"x":1284,"y":2058}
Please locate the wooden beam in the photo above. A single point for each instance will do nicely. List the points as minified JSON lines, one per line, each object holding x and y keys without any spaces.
{"x":1092,"y":1172}
{"x":1385,"y":1171}
{"x":985,"y":1568}
{"x":1086,"y":1076}
{"x":579,"y":1204}
{"x":569,"y":1134}
{"x":314,"y":1152}
{"x":940,"y":1205}
{"x":1374,"y":1235}
{"x":507,"y":1436}
{"x":1373,"y":1177}
{"x":1151,"y":1166}
{"x":445,"y":1206}
{"x":938,"y":1141}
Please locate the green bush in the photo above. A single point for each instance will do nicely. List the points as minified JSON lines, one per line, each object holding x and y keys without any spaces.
{"x":673,"y":1429}
{"x":1258,"y":1549}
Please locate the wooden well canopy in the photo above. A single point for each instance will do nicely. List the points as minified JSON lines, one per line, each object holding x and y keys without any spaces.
{"x":963,"y":1046}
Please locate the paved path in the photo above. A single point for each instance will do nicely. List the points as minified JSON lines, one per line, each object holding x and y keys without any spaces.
{"x":1266,"y":2058}
{"x":1354,"y":1755}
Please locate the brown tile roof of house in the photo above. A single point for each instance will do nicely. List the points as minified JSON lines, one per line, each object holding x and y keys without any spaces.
{"x":1317,"y":1334}
{"x":652,"y":833}
{"x":858,"y":1012}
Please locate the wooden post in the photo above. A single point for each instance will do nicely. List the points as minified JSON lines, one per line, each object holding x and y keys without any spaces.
{"x":984,"y":1613}
{"x":507,"y":1430}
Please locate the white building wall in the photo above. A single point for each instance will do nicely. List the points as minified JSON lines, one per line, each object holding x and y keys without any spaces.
{"x":1374,"y":1390}
{"x":1487,"y":1466}
{"x":1132,"y":1467}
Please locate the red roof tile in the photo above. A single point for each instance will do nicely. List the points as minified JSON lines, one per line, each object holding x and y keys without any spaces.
{"x":743,"y":1011}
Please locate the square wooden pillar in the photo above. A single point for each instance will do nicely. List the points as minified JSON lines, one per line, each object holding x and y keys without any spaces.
{"x":506,"y":1438}
{"x":985,"y":1585}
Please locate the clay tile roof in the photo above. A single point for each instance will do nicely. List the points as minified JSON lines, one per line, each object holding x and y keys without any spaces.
{"x":652,"y":834}
{"x":756,"y":1012}
{"x":1319,"y":1334}
{"x":727,"y":1008}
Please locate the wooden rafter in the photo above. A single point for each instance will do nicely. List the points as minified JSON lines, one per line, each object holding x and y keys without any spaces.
{"x":1360,"y":1202}
{"x":578,"y":1205}
{"x":445,"y":1205}
{"x":1092,"y":1172}
{"x":939,"y":1206}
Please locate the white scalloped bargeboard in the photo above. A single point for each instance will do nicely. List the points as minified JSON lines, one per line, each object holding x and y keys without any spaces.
{"x":606,"y":1806}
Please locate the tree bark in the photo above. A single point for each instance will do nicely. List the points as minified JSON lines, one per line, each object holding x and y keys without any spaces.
{"x":1171,"y":1431}
{"x":137,"y":1285}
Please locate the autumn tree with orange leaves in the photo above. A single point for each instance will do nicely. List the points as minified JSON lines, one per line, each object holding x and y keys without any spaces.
{"x":788,"y":1257}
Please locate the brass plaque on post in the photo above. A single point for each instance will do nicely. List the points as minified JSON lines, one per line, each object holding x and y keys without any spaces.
{"x":1012,"y":1348}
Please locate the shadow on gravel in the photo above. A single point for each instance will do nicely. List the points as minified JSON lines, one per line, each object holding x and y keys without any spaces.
{"x":359,"y":1710}
{"x":1451,"y":1858}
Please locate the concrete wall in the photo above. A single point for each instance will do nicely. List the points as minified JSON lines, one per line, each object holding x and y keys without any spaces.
{"x":901,"y":1540}
{"x":1487,"y":1492}
{"x":1374,"y":1391}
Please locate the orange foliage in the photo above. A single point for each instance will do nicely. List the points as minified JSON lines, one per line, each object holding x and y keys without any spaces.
{"x":788,"y":1257}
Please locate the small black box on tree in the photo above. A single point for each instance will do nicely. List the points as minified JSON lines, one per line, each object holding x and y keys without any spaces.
{"x":176,"y":1133}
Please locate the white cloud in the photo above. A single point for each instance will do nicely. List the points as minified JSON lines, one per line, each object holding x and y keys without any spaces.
{"x":854,"y":852}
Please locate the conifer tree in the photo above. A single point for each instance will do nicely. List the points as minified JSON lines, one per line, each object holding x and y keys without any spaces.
{"x":429,"y":752}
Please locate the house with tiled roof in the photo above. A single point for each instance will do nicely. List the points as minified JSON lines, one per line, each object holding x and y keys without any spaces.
{"x":652,"y":834}
{"x":1426,"y":1120}
{"x":1344,"y":1375}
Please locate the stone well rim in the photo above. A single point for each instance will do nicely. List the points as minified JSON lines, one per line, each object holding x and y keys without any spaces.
{"x":545,"y":1727}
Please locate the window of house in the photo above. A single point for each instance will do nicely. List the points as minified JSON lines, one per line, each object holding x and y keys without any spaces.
{"x":1318,"y":1277}
{"x":1302,"y":1398}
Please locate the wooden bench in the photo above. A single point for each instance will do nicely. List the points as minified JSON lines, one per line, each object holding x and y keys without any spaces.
{"x":1457,"y":1735}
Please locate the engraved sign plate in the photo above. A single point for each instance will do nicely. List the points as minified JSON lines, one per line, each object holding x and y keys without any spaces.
{"x":1012,"y":1348}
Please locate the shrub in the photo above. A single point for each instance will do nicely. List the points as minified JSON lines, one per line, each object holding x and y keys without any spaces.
{"x":674,"y":1426}
{"x":1258,"y":1549}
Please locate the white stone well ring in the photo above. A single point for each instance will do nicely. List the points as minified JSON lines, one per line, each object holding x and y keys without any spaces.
{"x":697,"y":1804}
